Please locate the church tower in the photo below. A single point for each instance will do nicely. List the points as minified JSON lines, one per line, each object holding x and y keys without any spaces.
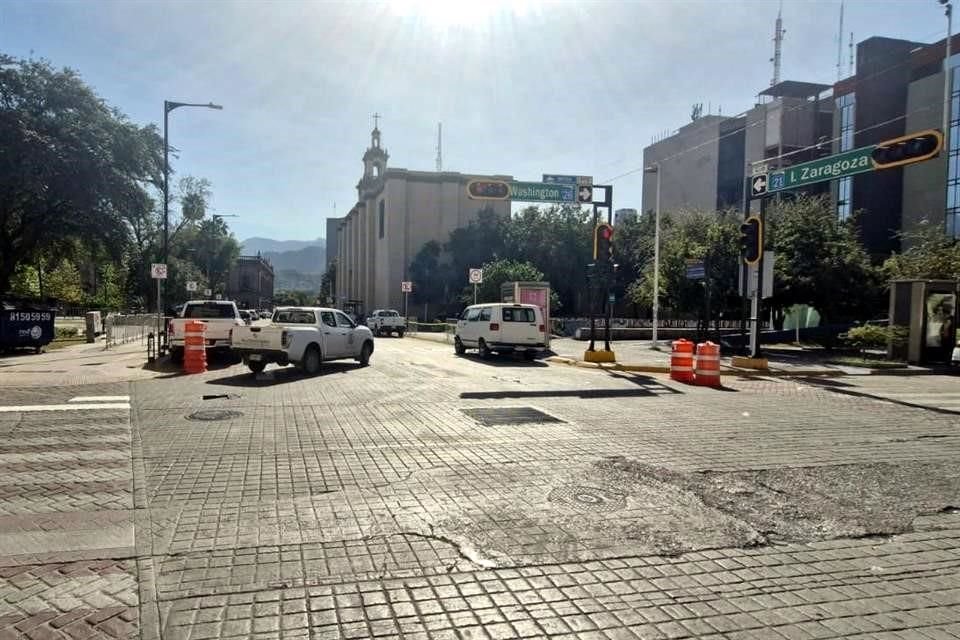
{"x":374,"y":164}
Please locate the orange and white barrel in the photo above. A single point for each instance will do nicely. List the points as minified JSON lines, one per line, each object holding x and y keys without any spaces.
{"x":194,"y":347}
{"x":681,"y":361}
{"x":707,"y":369}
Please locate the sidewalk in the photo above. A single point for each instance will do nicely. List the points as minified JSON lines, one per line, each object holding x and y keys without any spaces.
{"x":81,"y":363}
{"x":636,"y":355}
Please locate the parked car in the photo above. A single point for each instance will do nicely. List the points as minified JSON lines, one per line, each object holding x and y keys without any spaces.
{"x":501,"y":328}
{"x":386,"y":321}
{"x":220,"y":316}
{"x":305,"y":337}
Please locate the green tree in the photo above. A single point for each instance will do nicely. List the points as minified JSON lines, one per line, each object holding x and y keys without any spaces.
{"x":497,"y":272}
{"x":821,"y":262}
{"x":930,"y":255}
{"x":63,"y":282}
{"x":430,"y":278}
{"x":294,"y":298}
{"x":71,"y":167}
{"x":328,"y":283}
{"x":709,"y":237}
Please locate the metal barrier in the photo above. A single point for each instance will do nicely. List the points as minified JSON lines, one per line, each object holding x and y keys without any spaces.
{"x":445,"y":328}
{"x":124,"y":328}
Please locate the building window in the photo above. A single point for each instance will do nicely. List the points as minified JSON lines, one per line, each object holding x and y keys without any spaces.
{"x":382,"y":216}
{"x":953,"y":157}
{"x":846,"y":105}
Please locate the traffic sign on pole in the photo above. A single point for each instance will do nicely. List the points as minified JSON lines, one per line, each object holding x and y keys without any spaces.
{"x":476,"y":276}
{"x":158,"y":271}
{"x":585,"y":194}
{"x":758,"y":185}
{"x":191,"y":285}
{"x":543,"y":192}
{"x":406,"y":286}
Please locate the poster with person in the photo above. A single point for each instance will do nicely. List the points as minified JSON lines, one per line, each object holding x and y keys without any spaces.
{"x":941,"y":313}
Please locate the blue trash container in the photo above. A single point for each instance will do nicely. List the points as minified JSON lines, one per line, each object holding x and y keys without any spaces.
{"x":26,"y":324}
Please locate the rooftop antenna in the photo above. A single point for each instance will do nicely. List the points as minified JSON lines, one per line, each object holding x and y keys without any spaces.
{"x":777,"y":45}
{"x":840,"y":46}
{"x":439,"y":147}
{"x":851,"y":55}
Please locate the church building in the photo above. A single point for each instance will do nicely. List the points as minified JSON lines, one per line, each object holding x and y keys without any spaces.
{"x":397,"y":212}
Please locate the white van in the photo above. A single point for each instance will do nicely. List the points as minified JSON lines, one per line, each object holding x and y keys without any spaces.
{"x":501,"y":328}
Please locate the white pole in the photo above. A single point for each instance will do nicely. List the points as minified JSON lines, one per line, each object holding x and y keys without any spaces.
{"x":656,"y":263}
{"x":474,"y":293}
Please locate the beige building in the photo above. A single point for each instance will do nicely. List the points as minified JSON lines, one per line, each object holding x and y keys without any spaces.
{"x":397,"y":212}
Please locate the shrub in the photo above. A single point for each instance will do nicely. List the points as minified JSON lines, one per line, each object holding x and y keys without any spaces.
{"x":871,"y":336}
{"x":64,"y":333}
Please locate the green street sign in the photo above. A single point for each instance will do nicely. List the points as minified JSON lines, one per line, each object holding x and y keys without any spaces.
{"x":844,"y":164}
{"x":543,"y":192}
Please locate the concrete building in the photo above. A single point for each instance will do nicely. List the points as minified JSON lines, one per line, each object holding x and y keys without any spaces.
{"x":897,"y":90}
{"x":250,"y":283}
{"x":703,"y":165}
{"x":622,"y":215}
{"x":331,"y":240}
{"x":397,"y":212}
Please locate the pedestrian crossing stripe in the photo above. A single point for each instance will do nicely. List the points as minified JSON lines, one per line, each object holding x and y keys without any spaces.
{"x":79,"y":406}
{"x":100,"y":399}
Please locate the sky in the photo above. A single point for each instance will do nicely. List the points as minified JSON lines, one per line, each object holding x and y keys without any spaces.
{"x":521,"y":87}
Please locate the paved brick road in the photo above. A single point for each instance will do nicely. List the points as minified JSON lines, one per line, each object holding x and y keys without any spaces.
{"x":422,"y":498}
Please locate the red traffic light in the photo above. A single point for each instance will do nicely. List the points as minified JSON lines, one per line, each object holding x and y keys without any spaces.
{"x":488,"y":190}
{"x":603,"y":242}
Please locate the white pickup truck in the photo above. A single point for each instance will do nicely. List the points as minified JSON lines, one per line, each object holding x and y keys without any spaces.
{"x":304,"y":336}
{"x":220,"y":316}
{"x":386,"y":321}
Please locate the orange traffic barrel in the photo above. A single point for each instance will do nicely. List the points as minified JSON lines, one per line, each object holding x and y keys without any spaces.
{"x":707,"y":368}
{"x":681,"y":361}
{"x":194,"y":347}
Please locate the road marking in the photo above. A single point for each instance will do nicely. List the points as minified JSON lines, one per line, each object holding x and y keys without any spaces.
{"x":100,"y":399}
{"x":65,"y":407}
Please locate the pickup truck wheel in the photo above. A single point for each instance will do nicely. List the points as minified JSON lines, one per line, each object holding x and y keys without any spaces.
{"x":257,"y":367}
{"x":485,"y":352}
{"x":311,"y":361}
{"x":365,"y":352}
{"x":400,"y":332}
{"x":458,"y":347}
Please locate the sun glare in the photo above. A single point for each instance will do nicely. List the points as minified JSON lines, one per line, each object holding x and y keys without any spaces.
{"x":458,"y":13}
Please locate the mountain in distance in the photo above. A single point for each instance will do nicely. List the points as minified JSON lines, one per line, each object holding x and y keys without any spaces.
{"x":306,"y":260}
{"x":251,"y":246}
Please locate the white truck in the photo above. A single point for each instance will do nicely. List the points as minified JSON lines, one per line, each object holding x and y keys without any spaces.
{"x":386,"y":321}
{"x":305,"y":337}
{"x":220,"y":316}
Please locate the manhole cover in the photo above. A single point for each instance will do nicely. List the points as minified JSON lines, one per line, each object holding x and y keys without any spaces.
{"x":510,"y":415}
{"x":587,"y":498}
{"x":210,"y":415}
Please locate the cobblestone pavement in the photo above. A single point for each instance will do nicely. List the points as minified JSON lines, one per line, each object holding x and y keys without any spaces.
{"x":430,"y":496}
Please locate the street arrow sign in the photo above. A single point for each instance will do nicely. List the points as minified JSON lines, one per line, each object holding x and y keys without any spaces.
{"x":844,"y":164}
{"x":758,"y":185}
{"x":585,"y":195}
{"x":543,"y":192}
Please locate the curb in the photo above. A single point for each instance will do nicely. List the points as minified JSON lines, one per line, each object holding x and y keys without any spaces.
{"x":743,"y":373}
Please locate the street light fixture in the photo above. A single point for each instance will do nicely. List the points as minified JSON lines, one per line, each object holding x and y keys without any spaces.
{"x":655,"y":168}
{"x":169,"y":106}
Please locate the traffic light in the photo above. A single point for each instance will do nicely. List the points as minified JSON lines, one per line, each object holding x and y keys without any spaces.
{"x":751,"y":240}
{"x":488,"y":190}
{"x":603,"y":242}
{"x":915,"y":147}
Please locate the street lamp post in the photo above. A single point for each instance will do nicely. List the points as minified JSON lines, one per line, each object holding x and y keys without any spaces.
{"x":169,"y":106}
{"x":655,"y":168}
